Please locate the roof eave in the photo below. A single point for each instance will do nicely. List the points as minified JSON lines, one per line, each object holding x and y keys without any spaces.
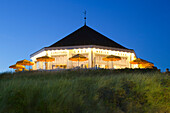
{"x":39,"y":51}
{"x":82,"y":46}
{"x":89,"y":46}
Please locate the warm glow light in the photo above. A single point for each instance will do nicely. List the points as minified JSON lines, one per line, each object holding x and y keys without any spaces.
{"x":62,"y":57}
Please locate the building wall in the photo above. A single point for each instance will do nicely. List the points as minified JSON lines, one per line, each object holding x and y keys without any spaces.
{"x":123,"y":63}
{"x":94,"y":56}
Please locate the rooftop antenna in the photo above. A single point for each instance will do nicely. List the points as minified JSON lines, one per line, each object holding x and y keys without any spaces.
{"x":85,"y":17}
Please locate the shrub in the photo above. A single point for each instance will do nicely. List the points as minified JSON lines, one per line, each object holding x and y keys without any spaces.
{"x":84,"y":91}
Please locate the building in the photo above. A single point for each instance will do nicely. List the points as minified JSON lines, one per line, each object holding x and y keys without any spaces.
{"x":89,"y":43}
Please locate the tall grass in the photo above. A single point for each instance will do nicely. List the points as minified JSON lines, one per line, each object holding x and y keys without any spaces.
{"x":84,"y":91}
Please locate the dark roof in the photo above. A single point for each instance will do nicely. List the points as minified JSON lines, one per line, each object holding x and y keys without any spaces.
{"x":86,"y":36}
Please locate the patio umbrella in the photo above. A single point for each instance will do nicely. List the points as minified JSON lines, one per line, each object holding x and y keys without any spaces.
{"x":16,"y":66}
{"x":78,"y":58}
{"x":18,"y":70}
{"x":25,"y":63}
{"x":45,"y":59}
{"x":148,"y":65}
{"x":111,"y":58}
{"x":140,"y":61}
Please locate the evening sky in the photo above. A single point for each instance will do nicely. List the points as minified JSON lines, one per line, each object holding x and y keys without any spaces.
{"x":26,"y":26}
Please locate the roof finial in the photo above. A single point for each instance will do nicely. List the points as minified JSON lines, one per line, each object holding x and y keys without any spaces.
{"x":85,"y":17}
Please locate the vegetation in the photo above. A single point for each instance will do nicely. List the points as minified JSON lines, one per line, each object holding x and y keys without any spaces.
{"x":84,"y":91}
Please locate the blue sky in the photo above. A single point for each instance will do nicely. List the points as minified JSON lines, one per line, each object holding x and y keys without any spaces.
{"x":29,"y":25}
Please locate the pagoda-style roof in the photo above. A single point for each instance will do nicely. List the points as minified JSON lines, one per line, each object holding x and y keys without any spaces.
{"x":86,"y":36}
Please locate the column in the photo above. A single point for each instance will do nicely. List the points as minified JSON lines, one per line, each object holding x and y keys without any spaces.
{"x":90,"y":57}
{"x":34,"y":67}
{"x":40,"y":65}
{"x":130,"y":66}
{"x":69,"y":63}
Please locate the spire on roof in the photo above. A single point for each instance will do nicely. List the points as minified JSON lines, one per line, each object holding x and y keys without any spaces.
{"x":85,"y":17}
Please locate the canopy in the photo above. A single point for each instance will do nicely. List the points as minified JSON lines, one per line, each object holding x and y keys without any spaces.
{"x":111,"y":58}
{"x":139,"y":61}
{"x":143,"y":63}
{"x":16,"y":66}
{"x":17,"y":70}
{"x":45,"y":59}
{"x":25,"y":62}
{"x":78,"y":57}
{"x":147,"y":65}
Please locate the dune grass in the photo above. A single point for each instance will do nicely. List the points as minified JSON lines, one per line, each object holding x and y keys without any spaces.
{"x":84,"y":91}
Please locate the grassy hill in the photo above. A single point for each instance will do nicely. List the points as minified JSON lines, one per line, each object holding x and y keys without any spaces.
{"x":84,"y":91}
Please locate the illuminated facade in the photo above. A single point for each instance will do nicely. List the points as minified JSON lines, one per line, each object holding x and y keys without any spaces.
{"x":90,"y":44}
